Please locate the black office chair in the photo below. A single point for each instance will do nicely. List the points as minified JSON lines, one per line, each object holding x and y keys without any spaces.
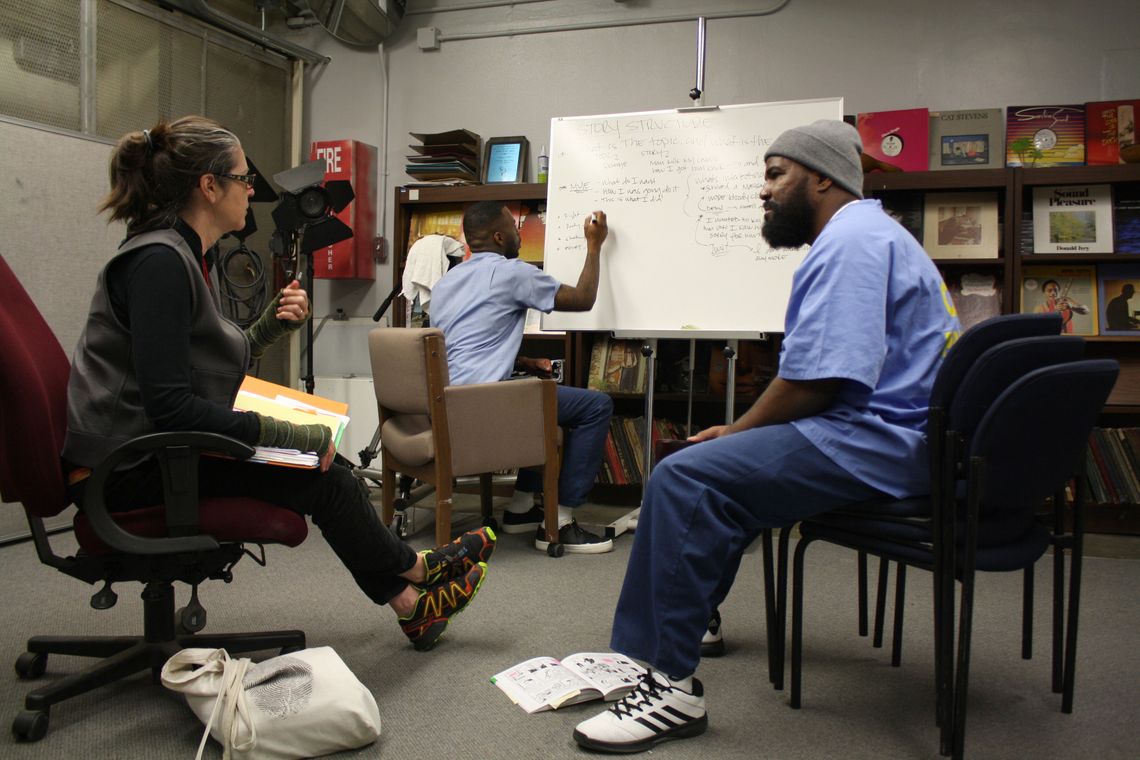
{"x":183,"y":540}
{"x":1027,"y":444}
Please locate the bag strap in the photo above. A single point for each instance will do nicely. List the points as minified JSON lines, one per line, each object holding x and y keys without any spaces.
{"x":234,"y":712}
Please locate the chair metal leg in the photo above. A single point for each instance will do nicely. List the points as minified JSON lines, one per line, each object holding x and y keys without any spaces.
{"x":770,"y":603}
{"x":1075,"y":561}
{"x":957,"y":738}
{"x":1058,"y":612}
{"x":900,"y":606}
{"x":797,"y":620}
{"x":861,"y":563}
{"x":781,"y":603}
{"x":1027,"y":583}
{"x":880,"y":602}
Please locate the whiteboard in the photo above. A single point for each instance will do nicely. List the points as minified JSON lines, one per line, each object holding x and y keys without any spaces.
{"x":681,"y":193}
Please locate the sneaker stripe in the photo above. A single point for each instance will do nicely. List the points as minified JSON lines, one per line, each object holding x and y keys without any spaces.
{"x":677,"y":713}
{"x":665,"y":722}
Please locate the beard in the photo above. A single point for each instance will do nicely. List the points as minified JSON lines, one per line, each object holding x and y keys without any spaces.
{"x":791,"y":222}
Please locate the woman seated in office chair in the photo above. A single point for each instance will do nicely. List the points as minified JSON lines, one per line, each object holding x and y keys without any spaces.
{"x":157,"y":355}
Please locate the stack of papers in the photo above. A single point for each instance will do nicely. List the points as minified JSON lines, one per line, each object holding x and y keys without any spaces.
{"x":445,"y":158}
{"x":283,"y":403}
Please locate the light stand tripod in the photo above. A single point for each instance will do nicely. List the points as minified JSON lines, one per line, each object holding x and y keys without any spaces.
{"x":306,"y":221}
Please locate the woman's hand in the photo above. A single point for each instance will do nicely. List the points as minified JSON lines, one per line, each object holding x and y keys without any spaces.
{"x":293,"y":306}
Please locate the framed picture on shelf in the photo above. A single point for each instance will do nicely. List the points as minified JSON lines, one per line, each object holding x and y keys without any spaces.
{"x":1068,"y":290}
{"x":1072,"y":219}
{"x":1126,"y":218}
{"x":970,"y":139}
{"x":976,"y":296}
{"x":504,"y":160}
{"x":1118,"y":288}
{"x":961,"y":225}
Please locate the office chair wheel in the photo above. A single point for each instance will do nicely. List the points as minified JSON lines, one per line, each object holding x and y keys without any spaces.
{"x":31,"y":665}
{"x":400,"y":523}
{"x":190,"y":619}
{"x":492,"y":523}
{"x":555,"y":550}
{"x":30,"y":725}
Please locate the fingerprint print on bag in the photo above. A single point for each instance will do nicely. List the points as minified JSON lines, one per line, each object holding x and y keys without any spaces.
{"x":280,"y":687}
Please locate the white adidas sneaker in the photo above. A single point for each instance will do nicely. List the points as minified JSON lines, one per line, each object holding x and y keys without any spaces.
{"x":653,"y":712}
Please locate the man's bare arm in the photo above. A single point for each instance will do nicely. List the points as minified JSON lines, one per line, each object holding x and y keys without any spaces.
{"x":581,"y":297}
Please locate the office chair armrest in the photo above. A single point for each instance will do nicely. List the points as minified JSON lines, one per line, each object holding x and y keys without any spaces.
{"x":177,"y":454}
{"x":496,"y":426}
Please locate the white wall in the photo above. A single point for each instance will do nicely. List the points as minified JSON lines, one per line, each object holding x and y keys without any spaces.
{"x":877,"y":54}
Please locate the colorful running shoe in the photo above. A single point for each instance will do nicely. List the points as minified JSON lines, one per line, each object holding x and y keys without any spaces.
{"x":438,"y":604}
{"x":454,"y":560}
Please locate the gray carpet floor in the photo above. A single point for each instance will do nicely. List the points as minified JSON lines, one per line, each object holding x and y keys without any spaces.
{"x":441,"y":703}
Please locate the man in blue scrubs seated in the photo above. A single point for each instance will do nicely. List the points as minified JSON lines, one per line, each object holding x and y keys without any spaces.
{"x":480,"y":305}
{"x":868,"y":322}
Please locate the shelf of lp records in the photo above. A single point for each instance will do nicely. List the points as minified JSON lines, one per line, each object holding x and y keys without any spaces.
{"x":619,"y":368}
{"x":1112,"y":465}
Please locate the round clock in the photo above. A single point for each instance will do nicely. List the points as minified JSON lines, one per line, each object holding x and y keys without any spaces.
{"x":1044,"y":139}
{"x":892,"y":145}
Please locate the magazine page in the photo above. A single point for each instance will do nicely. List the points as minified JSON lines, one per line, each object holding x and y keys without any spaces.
{"x":614,"y":675}
{"x":542,"y":683}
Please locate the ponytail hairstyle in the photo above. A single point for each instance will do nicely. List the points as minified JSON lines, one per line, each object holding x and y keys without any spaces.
{"x":154,"y":171}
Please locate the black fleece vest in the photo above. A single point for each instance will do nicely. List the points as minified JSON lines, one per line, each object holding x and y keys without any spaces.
{"x":104,"y":406}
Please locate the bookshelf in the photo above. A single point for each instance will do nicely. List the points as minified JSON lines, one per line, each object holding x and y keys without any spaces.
{"x":1013,"y":189}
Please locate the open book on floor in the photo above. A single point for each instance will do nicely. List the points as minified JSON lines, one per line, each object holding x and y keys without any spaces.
{"x":290,"y":405}
{"x":545,"y":683}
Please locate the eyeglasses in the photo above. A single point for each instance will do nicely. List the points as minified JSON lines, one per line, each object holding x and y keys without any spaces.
{"x":248,"y":179}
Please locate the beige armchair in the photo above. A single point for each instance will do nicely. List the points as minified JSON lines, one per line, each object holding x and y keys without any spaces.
{"x":437,"y":432}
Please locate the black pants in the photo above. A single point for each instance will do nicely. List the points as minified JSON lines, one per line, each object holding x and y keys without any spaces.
{"x":335,"y":500}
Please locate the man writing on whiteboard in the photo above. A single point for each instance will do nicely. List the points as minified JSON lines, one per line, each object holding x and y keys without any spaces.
{"x":867,"y":324}
{"x":480,"y":305}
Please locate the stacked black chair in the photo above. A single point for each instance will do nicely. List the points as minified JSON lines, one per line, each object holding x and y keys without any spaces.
{"x":961,"y":356}
{"x":991,"y":471}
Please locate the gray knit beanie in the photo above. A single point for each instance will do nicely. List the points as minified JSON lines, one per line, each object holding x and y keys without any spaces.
{"x":829,"y":147}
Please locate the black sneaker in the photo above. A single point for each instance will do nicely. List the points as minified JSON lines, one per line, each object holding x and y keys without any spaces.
{"x":651,"y":713}
{"x":454,"y":560}
{"x":522,"y":522}
{"x":712,"y":643}
{"x":575,"y":540}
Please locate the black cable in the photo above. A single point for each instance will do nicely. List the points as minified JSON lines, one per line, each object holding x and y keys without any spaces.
{"x":244,"y":296}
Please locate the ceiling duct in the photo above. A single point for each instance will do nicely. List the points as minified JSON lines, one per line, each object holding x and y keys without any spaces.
{"x":361,"y":23}
{"x":202,"y":10}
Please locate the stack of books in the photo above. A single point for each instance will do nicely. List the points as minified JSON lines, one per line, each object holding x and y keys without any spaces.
{"x":445,"y":158}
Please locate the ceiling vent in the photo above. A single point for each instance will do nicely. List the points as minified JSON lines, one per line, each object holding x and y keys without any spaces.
{"x":360,"y":23}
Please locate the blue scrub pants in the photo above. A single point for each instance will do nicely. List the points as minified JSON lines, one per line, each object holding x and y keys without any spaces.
{"x":703,"y":506}
{"x":584,"y":416}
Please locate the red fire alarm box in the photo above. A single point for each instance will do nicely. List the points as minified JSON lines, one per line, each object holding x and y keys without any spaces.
{"x":350,"y":259}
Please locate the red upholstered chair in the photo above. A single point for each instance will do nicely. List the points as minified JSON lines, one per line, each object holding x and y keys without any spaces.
{"x":183,"y":540}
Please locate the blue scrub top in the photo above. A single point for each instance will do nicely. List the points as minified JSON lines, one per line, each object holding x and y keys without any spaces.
{"x":480,"y":305}
{"x":868,"y":306}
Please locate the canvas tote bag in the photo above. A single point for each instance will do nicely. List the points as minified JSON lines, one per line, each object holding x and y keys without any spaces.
{"x":298,"y":705}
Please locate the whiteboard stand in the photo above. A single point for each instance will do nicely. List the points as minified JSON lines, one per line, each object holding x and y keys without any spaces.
{"x":730,"y":351}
